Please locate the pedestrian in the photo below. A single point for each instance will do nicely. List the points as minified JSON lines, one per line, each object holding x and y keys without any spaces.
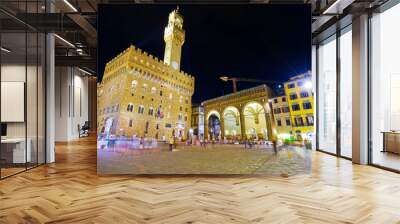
{"x":171,"y":144}
{"x":274,"y":144}
{"x":141,"y":142}
{"x":202,"y":143}
{"x":248,"y":143}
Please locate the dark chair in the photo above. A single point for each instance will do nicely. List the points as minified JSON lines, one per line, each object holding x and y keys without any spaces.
{"x":84,"y":130}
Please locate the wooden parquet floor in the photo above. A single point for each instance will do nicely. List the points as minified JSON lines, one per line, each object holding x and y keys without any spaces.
{"x":70,"y":191}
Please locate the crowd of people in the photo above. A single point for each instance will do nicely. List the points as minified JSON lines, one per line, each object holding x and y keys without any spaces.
{"x":247,"y":143}
{"x":136,"y":142}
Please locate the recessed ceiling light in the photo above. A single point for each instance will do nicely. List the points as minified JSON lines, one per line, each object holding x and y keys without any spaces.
{"x":84,"y":71}
{"x":5,"y":50}
{"x":337,"y":7}
{"x":70,"y":5}
{"x":64,"y":40}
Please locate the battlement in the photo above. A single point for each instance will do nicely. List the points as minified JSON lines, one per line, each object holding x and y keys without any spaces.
{"x":264,"y":89}
{"x":153,"y":60}
{"x":133,"y":56}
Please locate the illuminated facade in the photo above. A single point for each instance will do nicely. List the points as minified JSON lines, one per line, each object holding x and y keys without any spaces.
{"x":174,"y":37}
{"x":283,"y":119}
{"x":198,"y":121}
{"x":241,"y":115}
{"x":141,"y":95}
{"x":300,"y":99}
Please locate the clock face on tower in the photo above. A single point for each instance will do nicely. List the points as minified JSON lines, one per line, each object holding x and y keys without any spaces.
{"x":174,"y":65}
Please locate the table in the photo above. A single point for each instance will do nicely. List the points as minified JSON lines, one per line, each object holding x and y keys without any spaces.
{"x":391,"y":141}
{"x":13,"y":150}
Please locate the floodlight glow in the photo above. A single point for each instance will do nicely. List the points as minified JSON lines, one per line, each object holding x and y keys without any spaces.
{"x":284,"y":136}
{"x":308,"y":85}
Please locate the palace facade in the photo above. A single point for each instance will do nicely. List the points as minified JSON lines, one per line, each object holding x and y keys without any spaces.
{"x":141,"y":95}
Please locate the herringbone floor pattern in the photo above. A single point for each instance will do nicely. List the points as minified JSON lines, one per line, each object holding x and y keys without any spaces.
{"x":70,"y":191}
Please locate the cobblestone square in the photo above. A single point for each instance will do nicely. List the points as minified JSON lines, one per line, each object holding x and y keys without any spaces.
{"x":213,"y":159}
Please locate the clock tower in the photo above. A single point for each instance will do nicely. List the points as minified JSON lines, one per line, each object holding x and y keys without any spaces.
{"x":174,"y":37}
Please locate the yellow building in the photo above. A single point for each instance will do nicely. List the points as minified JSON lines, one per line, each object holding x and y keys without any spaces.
{"x":300,"y":99}
{"x":282,"y":117}
{"x":141,"y":95}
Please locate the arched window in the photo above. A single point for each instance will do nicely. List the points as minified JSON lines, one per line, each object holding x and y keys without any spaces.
{"x":134,"y":85}
{"x":159,"y":112}
{"x":141,"y":109}
{"x":129,"y":107}
{"x":146,"y":129}
{"x":151,"y":111}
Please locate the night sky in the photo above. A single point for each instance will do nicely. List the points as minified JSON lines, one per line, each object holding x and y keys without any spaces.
{"x":269,"y":42}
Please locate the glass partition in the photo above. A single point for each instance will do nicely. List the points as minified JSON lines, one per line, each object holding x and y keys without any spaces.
{"x":385,"y":89}
{"x":13,"y":94}
{"x":22,"y":98}
{"x":327,"y":95}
